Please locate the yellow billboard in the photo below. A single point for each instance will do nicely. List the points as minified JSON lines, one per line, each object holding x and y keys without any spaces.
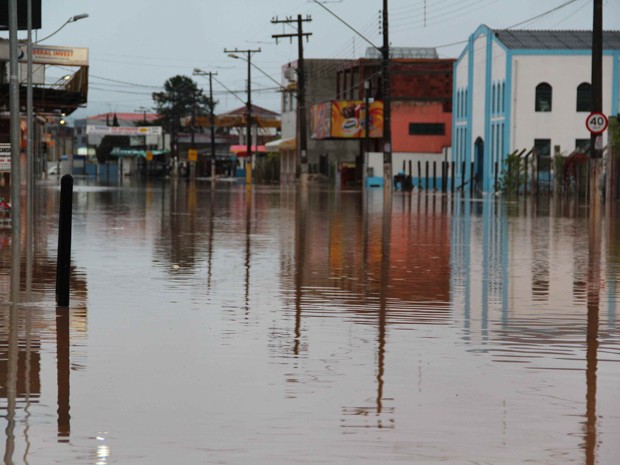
{"x":345,"y":119}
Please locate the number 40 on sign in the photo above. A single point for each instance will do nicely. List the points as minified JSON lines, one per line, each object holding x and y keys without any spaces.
{"x":596,"y":123}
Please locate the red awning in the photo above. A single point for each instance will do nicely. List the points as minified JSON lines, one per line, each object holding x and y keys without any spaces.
{"x":241,"y":150}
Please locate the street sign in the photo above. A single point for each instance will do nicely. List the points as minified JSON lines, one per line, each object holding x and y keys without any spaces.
{"x":596,"y":122}
{"x":192,"y":155}
{"x":149,"y":155}
{"x":5,"y":158}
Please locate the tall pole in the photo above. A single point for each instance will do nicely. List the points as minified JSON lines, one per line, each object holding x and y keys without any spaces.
{"x":387,"y":113}
{"x":30,"y":120}
{"x":212,"y":121}
{"x":302,"y":129}
{"x":248,"y":112}
{"x":14,"y":124}
{"x":596,"y":152}
{"x":301,"y":95}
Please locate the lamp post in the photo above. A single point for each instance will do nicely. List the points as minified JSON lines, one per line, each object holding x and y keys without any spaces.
{"x":248,"y":123}
{"x":72,"y":19}
{"x":30,"y":178}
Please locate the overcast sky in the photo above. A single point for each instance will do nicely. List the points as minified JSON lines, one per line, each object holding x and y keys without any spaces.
{"x":135,"y":45}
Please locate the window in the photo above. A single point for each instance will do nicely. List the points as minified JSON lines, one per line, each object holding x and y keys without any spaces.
{"x":584,"y":97}
{"x":542,"y":147}
{"x":544,"y":94}
{"x":427,"y":129}
{"x":582,"y":145}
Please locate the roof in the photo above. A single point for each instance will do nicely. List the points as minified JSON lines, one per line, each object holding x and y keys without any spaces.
{"x":555,"y":40}
{"x":124,"y":116}
{"x":256,"y":111}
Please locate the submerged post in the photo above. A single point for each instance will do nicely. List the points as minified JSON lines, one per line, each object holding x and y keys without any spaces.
{"x":63,"y":270}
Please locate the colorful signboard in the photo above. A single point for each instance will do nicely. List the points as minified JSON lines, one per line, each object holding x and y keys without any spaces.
{"x":124,"y":130}
{"x":345,"y":119}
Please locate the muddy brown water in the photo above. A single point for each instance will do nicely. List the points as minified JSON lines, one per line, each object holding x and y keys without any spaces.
{"x":268,"y":327}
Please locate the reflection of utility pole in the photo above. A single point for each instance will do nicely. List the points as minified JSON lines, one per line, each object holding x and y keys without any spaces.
{"x":301,"y":90}
{"x":248,"y":116}
{"x":592,"y":332}
{"x":387,"y":101}
{"x":367,"y":91}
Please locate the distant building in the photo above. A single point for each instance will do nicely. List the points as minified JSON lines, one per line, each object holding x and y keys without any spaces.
{"x":421,"y":104}
{"x":520,"y":89}
{"x":324,"y":156}
{"x":84,"y":141}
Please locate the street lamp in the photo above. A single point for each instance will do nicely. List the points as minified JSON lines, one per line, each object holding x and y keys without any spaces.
{"x":29,"y":101}
{"x":232,"y":54}
{"x":72,"y":19}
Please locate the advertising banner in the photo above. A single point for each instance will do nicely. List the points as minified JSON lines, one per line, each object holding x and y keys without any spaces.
{"x":124,"y":130}
{"x":346,"y":120}
{"x":320,"y":120}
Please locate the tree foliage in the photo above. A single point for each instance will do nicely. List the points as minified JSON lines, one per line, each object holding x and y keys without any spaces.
{"x":181,"y":98}
{"x":108,"y":143}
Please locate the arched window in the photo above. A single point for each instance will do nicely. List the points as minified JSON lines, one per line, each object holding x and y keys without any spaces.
{"x":544,"y":94}
{"x":584,"y":97}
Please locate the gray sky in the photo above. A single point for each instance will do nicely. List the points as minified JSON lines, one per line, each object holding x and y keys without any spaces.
{"x":141,"y":43}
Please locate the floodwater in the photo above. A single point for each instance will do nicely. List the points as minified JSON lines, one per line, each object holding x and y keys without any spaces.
{"x":265,"y":327}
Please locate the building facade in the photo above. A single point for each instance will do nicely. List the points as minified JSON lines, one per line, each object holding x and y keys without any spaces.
{"x":521,"y":89}
{"x":325,"y":157}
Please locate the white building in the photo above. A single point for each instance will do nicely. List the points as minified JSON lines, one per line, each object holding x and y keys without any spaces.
{"x":518,"y":89}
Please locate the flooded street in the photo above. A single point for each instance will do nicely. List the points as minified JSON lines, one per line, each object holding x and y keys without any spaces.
{"x":266,"y":327}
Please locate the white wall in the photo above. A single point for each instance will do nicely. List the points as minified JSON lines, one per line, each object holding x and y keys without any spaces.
{"x":479,"y":90}
{"x":563,"y":124}
{"x":498,"y":73}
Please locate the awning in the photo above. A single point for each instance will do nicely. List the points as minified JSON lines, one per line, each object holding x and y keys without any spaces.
{"x":281,"y":144}
{"x":241,"y":150}
{"x":121,"y":153}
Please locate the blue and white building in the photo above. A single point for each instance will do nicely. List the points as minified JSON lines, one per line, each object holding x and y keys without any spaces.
{"x":521,"y":89}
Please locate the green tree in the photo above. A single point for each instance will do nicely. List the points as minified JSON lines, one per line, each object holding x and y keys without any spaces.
{"x":180,"y":99}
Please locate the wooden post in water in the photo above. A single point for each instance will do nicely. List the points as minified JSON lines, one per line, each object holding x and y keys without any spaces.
{"x":427,"y":179}
{"x":419,"y":174}
{"x":434,"y":175}
{"x":452,"y":165}
{"x":471,"y":178}
{"x":63,"y":265}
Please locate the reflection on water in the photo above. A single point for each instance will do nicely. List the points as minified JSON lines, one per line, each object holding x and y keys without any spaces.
{"x":267,"y":326}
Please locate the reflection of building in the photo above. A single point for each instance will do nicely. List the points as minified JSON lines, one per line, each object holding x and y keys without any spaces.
{"x":346,"y":250}
{"x":518,"y":90}
{"x":528,"y":276}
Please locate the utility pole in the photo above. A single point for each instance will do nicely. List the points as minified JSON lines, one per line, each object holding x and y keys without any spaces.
{"x":387,"y":101}
{"x":302,"y":129}
{"x":248,"y":123}
{"x":211,"y":120}
{"x":14,"y":128}
{"x":596,"y":152}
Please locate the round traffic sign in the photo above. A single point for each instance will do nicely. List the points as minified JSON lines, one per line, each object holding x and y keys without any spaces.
{"x":596,"y":122}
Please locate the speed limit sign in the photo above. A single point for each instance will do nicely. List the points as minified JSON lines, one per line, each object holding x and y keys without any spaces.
{"x":596,"y":122}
